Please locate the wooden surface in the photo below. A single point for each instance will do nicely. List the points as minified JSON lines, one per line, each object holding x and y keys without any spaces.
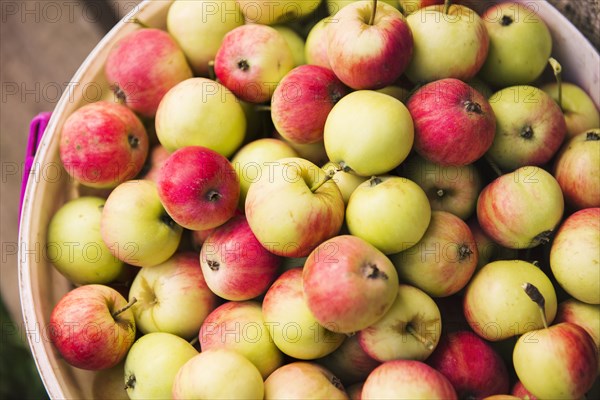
{"x":42,"y":43}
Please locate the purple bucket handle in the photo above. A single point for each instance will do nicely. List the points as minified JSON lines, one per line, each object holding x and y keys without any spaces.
{"x":36,"y":131}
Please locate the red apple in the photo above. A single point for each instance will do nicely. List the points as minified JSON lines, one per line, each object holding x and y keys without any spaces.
{"x":103,"y":144}
{"x":348,"y":284}
{"x":521,"y":392}
{"x":471,"y":365}
{"x":369,"y":47}
{"x":454,"y":123}
{"x":143,"y":66}
{"x":350,"y":362}
{"x":303,"y":380}
{"x":198,"y":187}
{"x":585,"y":315}
{"x":305,"y":90}
{"x":235,"y":265}
{"x":89,"y":328}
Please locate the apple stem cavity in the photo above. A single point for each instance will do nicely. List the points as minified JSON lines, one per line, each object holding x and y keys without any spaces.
{"x":440,"y":193}
{"x":506,"y":20}
{"x":213,"y":265}
{"x":592,"y":136}
{"x":371,"y":271}
{"x":471,"y":106}
{"x":243,"y":65}
{"x":527,"y":132}
{"x":134,"y":141}
{"x":213,"y":196}
{"x":538,"y":298}
{"x":557,"y":69}
{"x":447,"y":5}
{"x":119,"y":93}
{"x":130,"y":384}
{"x":373,"y":13}
{"x":464,"y":252}
{"x":374,"y":181}
{"x":426,"y":342}
{"x":127,"y":307}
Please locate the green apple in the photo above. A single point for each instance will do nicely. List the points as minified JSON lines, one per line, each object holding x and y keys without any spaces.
{"x":512,"y":60}
{"x":369,"y":132}
{"x":315,"y":48}
{"x":218,"y":374}
{"x":267,"y":12}
{"x":303,"y":380}
{"x":580,"y":111}
{"x":346,"y":181}
{"x":254,"y":159}
{"x":75,"y":247}
{"x":391,"y":213}
{"x":295,"y":42}
{"x":199,"y":27}
{"x":240,"y":326}
{"x":396,"y":92}
{"x":333,"y":6}
{"x":136,"y":226}
{"x":152,"y":364}
{"x":201,"y":112}
{"x":293,"y":328}
{"x":495,"y":305}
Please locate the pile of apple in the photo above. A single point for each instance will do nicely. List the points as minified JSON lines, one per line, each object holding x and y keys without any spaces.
{"x":394,"y":208}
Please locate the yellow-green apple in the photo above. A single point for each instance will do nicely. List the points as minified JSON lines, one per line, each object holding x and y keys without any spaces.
{"x":369,"y":45}
{"x":156,"y":158}
{"x":585,"y":315}
{"x":471,"y":365}
{"x":295,"y":41}
{"x":92,"y":327}
{"x":235,"y":265}
{"x":152,"y":364}
{"x":495,"y":305}
{"x":240,"y":326}
{"x":397,"y":92}
{"x":252,"y":60}
{"x":389,"y":212}
{"x":252,"y":160}
{"x":305,"y":90}
{"x":577,"y":170}
{"x":293,"y":207}
{"x":313,"y":152}
{"x":136,"y":227}
{"x":347,"y":182}
{"x":366,"y":284}
{"x":172,"y":297}
{"x":293,"y":328}
{"x":369,"y":132}
{"x":519,"y":210}
{"x":349,"y":362}
{"x":315,"y":48}
{"x":199,"y":27}
{"x":575,"y":255}
{"x":410,"y":330}
{"x":410,"y":6}
{"x":143,"y":66}
{"x":580,"y":111}
{"x":510,"y":60}
{"x":449,"y":42}
{"x":303,"y":380}
{"x":443,"y":261}
{"x":103,"y":144}
{"x":407,"y":379}
{"x":198,"y":187}
{"x":521,"y":392}
{"x":333,"y":6}
{"x":75,"y":246}
{"x":449,"y":188}
{"x":556,"y":362}
{"x":201,"y":112}
{"x":454,"y":123}
{"x":268,"y":12}
{"x":530,"y":127}
{"x":218,"y":374}
{"x":108,"y":383}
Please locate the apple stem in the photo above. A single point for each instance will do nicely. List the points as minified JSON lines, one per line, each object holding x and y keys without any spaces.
{"x":426,"y":342}
{"x":493,"y":165}
{"x":211,"y":70}
{"x":373,"y":13}
{"x":447,"y":5}
{"x":557,"y":68}
{"x":262,"y":108}
{"x":592,"y":136}
{"x":194,"y":341}
{"x":127,"y":307}
{"x":538,"y":298}
{"x":328,"y":177}
{"x":374,"y":181}
{"x":140,"y":23}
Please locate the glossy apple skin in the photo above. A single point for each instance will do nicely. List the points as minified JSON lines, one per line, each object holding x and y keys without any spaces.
{"x":471,"y":365}
{"x":557,"y":363}
{"x":443,"y":261}
{"x":303,"y":380}
{"x":144,"y":65}
{"x":519,"y":209}
{"x":367,"y":56}
{"x":236,"y":266}
{"x":198,"y":187}
{"x":84,"y":331}
{"x":497,"y":308}
{"x":575,"y":255}
{"x":103,"y":144}
{"x":407,"y":379}
{"x":448,"y":44}
{"x":577,"y":170}
{"x":530,"y":127}
{"x":316,"y":45}
{"x":580,"y":111}
{"x":305,"y":90}
{"x":366,"y":284}
{"x":350,"y":362}
{"x":252,"y":60}
{"x":454,"y":123}
{"x":585,"y":315}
